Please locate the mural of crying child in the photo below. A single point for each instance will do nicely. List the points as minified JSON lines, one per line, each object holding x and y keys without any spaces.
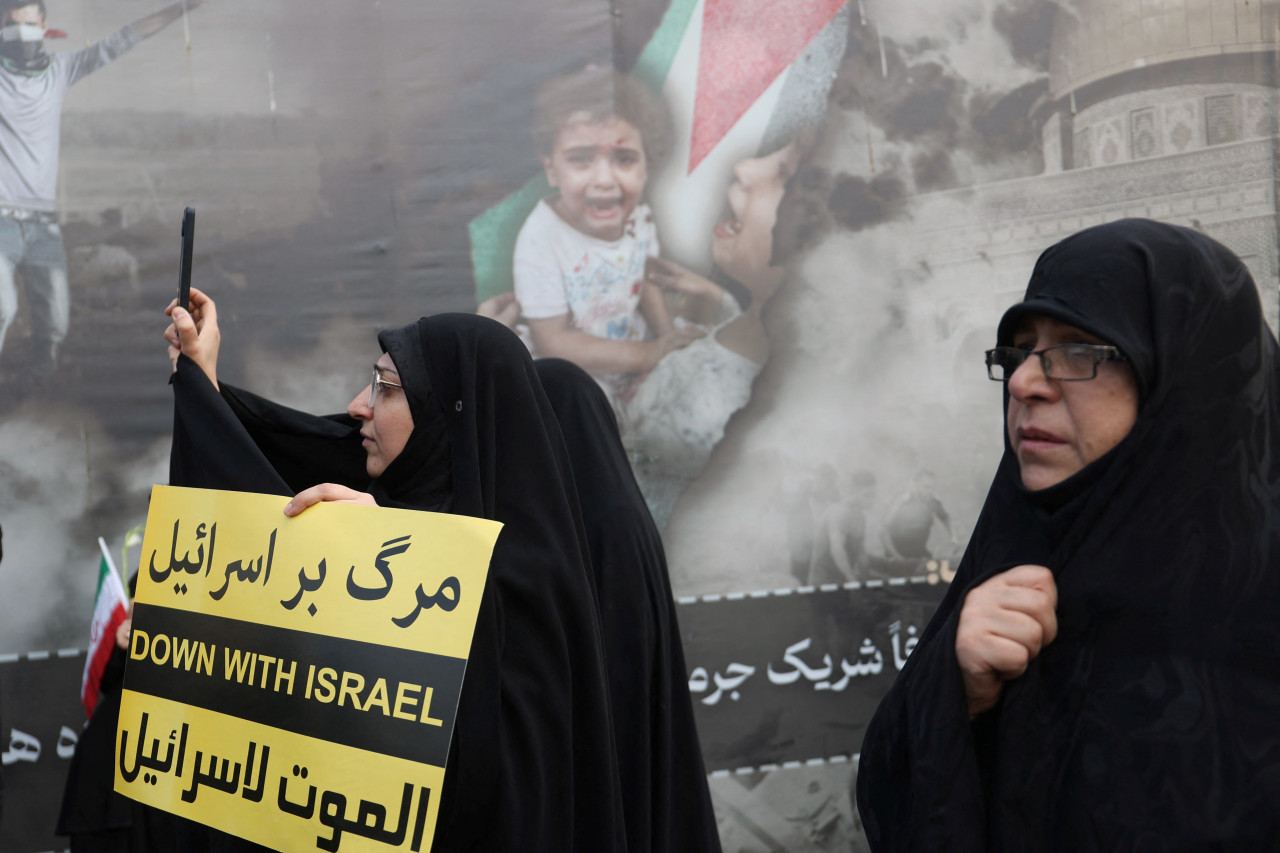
{"x":579,"y":265}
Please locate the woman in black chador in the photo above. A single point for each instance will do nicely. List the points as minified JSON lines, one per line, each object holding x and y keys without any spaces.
{"x":664,"y":783}
{"x":1104,"y":673}
{"x":454,"y":421}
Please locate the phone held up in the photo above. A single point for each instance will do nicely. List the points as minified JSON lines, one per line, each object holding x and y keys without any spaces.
{"x":184,"y":270}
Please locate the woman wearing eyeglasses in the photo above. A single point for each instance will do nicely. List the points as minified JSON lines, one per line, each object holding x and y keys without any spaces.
{"x":1104,"y":672}
{"x":453,"y":420}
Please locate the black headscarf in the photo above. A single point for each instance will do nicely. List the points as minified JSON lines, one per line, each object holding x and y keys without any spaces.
{"x":531,"y":764}
{"x":664,"y":782}
{"x":1149,"y":722}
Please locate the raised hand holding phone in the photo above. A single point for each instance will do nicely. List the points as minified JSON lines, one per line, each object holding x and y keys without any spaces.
{"x":193,"y":329}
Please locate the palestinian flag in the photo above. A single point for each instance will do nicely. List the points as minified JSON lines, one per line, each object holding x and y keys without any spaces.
{"x":740,"y":77}
{"x":110,"y":608}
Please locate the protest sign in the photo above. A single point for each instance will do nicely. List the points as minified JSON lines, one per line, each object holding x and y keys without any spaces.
{"x":294,"y":681}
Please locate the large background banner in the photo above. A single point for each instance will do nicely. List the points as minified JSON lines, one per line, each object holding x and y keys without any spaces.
{"x":357,"y":165}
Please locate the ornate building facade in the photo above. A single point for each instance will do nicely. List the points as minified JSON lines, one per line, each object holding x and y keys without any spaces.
{"x":1166,"y":110}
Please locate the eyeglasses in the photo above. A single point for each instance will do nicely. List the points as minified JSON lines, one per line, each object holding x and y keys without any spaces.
{"x":377,"y":384}
{"x":1064,"y":362}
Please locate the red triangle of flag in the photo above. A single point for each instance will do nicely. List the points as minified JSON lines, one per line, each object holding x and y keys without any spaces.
{"x":746,"y":44}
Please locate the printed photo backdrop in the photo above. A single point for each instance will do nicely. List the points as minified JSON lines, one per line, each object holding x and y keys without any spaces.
{"x":355,"y":166}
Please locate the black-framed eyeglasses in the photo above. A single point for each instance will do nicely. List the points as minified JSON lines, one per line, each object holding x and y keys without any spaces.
{"x":377,"y":385}
{"x":1063,"y":362}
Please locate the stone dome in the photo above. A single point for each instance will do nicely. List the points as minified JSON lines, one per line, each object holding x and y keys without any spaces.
{"x":1096,"y":39}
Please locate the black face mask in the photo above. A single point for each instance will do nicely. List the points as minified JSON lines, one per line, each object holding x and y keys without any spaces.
{"x":24,"y":56}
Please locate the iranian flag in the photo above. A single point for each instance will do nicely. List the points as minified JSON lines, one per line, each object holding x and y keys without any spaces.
{"x":110,"y":608}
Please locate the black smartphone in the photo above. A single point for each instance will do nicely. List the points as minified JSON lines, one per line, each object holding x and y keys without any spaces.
{"x":184,"y":271}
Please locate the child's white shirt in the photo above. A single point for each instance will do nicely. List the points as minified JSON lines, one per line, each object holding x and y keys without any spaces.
{"x":559,"y":270}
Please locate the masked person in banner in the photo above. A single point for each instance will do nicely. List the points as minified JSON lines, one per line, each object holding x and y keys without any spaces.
{"x":454,"y":420}
{"x":1103,"y":673}
{"x":33,"y":84}
{"x":664,"y":783}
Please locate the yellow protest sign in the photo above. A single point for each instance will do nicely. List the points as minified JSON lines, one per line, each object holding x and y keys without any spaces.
{"x":295,"y":681}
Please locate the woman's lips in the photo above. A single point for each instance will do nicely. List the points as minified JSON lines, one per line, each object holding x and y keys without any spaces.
{"x":1031,"y":438}
{"x":728,"y":228}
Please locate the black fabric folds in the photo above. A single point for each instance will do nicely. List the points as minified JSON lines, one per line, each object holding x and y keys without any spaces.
{"x":1148,"y":724}
{"x":531,"y":765}
{"x":664,"y":783}
{"x":89,"y":805}
{"x":239,"y":441}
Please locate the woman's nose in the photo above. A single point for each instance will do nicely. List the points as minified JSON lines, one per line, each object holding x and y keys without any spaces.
{"x":359,"y":407}
{"x":746,"y":171}
{"x":1029,"y":380}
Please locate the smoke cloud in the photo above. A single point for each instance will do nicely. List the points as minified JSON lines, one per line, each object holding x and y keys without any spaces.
{"x":876,"y":365}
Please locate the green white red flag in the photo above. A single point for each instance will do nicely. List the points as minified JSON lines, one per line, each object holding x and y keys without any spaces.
{"x":110,"y":608}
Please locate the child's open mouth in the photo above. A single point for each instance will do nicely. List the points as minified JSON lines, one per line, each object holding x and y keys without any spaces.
{"x":604,"y":206}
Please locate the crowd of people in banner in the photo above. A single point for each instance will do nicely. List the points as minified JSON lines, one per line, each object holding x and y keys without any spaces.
{"x":835,"y":535}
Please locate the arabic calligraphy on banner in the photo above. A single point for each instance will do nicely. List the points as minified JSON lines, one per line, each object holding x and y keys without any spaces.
{"x":295,"y":681}
{"x":805,"y":689}
{"x":869,"y":661}
{"x":43,"y":720}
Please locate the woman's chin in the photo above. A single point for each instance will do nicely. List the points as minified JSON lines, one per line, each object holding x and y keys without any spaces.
{"x":1036,"y":478}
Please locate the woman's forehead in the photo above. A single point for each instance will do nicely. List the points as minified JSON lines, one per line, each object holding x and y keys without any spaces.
{"x":1041,"y":324}
{"x":386,"y":364}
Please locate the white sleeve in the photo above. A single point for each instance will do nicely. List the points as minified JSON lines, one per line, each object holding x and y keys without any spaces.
{"x":98,"y":54}
{"x":539,"y":284}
